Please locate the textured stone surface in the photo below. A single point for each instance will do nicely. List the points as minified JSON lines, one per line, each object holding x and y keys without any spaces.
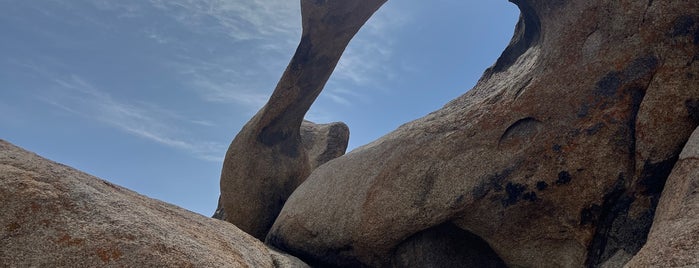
{"x":55,"y":216}
{"x":323,"y":142}
{"x":674,"y":238}
{"x":556,"y":158}
{"x":266,"y":161}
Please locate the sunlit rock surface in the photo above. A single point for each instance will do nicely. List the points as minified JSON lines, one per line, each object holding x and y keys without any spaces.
{"x":556,"y":158}
{"x":55,"y":216}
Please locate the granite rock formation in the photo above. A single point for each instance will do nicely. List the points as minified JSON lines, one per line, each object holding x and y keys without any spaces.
{"x":323,"y":142}
{"x":55,"y":216}
{"x":674,"y":238}
{"x":556,"y":158}
{"x":575,"y":149}
{"x":266,"y":161}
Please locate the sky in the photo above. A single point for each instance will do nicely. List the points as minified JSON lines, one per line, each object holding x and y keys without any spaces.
{"x":148,"y":94}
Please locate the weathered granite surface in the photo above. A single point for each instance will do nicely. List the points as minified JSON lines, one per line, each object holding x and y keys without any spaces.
{"x":266,"y":160}
{"x":556,"y":158}
{"x":55,"y":216}
{"x":674,"y":238}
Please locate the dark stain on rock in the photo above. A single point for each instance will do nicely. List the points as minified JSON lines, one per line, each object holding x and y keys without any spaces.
{"x":682,"y":26}
{"x":574,"y":133}
{"x":590,"y":215}
{"x":690,"y":75}
{"x":12,"y":227}
{"x":557,"y":148}
{"x":641,"y":67}
{"x":616,"y":229}
{"x":303,"y":53}
{"x":686,"y":26}
{"x":615,"y":203}
{"x":654,"y":176}
{"x":594,"y":129}
{"x":608,"y":85}
{"x":629,"y":133}
{"x":584,"y":110}
{"x":530,"y":196}
{"x":563,"y":178}
{"x":493,"y":182}
{"x":541,"y":185}
{"x":426,"y":185}
{"x":480,"y":191}
{"x":635,"y":78}
{"x":513,"y":192}
{"x":287,"y":140}
{"x":337,"y":130}
{"x":692,"y":106}
{"x":458,"y":202}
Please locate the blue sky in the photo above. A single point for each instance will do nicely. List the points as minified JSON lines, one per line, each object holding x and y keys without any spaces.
{"x":149,"y":93}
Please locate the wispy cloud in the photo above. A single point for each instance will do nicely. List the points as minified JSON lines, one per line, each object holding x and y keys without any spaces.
{"x":76,"y":95}
{"x":271,"y":29}
{"x":365,"y":65}
{"x":239,"y":19}
{"x":228,"y":92}
{"x":366,"y":59}
{"x":252,"y":39}
{"x":249,"y":42}
{"x":226,"y":80}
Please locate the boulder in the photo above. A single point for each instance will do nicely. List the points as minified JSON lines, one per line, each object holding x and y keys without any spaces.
{"x":266,"y":161}
{"x":55,"y":216}
{"x":556,"y":158}
{"x":674,"y":238}
{"x":323,"y":142}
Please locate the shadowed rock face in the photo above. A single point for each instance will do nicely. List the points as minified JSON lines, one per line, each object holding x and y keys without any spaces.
{"x":556,"y":158}
{"x":55,"y":216}
{"x":323,"y":142}
{"x":266,"y":161}
{"x":674,"y":238}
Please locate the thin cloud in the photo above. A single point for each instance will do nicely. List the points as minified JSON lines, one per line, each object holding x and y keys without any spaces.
{"x":75,"y":95}
{"x":225,"y":92}
{"x":240,"y":20}
{"x":366,"y":62}
{"x":367,"y":57}
{"x":344,"y":96}
{"x":338,"y":99}
{"x":262,"y":35}
{"x":222,"y":81}
{"x":274,"y":28}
